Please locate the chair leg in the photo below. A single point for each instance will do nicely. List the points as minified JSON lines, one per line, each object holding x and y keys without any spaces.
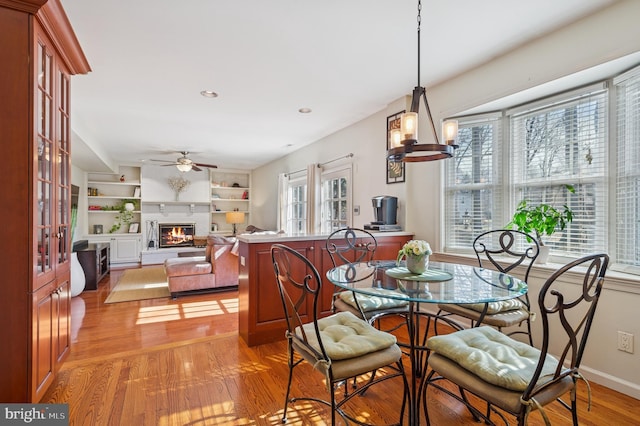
{"x":468,"y":404}
{"x":574,"y":412}
{"x":286,"y":398}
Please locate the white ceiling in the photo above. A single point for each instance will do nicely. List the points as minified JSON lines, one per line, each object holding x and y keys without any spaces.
{"x":344,"y":59}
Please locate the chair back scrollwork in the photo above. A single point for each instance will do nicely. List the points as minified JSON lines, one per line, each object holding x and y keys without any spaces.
{"x":351,"y":245}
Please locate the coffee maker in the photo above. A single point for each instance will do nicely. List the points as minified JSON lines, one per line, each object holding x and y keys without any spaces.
{"x":385,"y":210}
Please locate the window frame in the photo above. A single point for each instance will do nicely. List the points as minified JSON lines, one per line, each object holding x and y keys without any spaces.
{"x":608,"y":207}
{"x":297,"y":182}
{"x":339,"y":172}
{"x":315,"y":202}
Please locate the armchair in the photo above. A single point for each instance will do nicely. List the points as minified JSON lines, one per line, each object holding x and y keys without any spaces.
{"x":218,"y":268}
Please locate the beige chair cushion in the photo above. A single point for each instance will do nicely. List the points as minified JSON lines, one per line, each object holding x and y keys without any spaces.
{"x":346,"y":336}
{"x":492,"y":356}
{"x":374,"y":303}
{"x":496,"y":307}
{"x":500,"y":319}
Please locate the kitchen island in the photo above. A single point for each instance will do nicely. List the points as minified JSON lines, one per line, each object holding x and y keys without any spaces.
{"x":260,"y":316}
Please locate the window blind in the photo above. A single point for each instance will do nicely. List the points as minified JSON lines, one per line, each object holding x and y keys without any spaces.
{"x":627,"y":94}
{"x":473,"y":197}
{"x":562,"y":144}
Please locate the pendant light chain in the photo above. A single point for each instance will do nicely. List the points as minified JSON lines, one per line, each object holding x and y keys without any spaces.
{"x":419,"y":19}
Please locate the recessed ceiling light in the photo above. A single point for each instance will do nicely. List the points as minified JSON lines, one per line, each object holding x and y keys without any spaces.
{"x":209,"y":94}
{"x":304,"y":110}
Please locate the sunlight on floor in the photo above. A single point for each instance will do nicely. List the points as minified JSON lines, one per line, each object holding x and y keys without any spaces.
{"x":224,"y":413}
{"x":153,"y":314}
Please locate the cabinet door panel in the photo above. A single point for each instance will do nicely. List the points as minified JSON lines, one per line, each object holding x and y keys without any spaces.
{"x":125,"y":250}
{"x":323,"y":263}
{"x":62,"y":317}
{"x":42,"y":366}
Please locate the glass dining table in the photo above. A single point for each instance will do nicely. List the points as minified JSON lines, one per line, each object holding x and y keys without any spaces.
{"x":441,"y":283}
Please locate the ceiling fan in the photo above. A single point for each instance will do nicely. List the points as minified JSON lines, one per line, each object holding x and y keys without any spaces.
{"x":184,"y":163}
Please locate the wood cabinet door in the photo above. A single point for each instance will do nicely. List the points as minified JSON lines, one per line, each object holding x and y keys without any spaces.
{"x":52,"y":174}
{"x":322,"y":262}
{"x":62,"y":172}
{"x":388,"y":247}
{"x":61,"y":299}
{"x":43,"y":337}
{"x":45,"y":230}
{"x":125,"y":250}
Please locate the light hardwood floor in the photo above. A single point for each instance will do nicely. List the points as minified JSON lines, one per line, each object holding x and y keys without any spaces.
{"x":181,"y":362}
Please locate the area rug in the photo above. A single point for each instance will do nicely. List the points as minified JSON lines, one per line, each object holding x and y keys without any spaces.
{"x":140,"y":284}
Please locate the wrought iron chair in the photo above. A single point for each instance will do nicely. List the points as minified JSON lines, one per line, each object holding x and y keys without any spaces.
{"x":512,"y":375}
{"x":354,"y":245}
{"x":340,"y":346}
{"x":503,"y":250}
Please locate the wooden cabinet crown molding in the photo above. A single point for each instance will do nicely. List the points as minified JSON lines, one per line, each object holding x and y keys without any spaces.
{"x":55,"y":23}
{"x":30,"y":6}
{"x":57,"y":26}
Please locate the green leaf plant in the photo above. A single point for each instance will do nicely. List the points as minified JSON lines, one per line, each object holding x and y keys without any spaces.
{"x":542,"y":219}
{"x":124,"y":216}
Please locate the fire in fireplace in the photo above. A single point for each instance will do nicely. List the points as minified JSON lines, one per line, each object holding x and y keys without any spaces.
{"x":176,"y":234}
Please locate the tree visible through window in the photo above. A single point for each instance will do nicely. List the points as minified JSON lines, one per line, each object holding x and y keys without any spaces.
{"x":550,"y":145}
{"x":472,"y":195}
{"x":560,"y":144}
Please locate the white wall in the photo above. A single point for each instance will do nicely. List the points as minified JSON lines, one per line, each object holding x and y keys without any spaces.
{"x":78,"y":179}
{"x":156,"y":191}
{"x":608,"y":35}
{"x":366,"y":140}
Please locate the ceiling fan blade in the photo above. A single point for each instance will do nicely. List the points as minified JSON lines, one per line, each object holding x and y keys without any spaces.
{"x":211,"y":166}
{"x":195,"y":168}
{"x":163,"y":161}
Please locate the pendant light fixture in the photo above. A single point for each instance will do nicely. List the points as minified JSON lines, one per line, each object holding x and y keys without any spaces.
{"x":404,"y":142}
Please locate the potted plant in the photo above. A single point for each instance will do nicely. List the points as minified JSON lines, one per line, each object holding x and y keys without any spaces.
{"x":125,"y":215}
{"x":541,"y":219}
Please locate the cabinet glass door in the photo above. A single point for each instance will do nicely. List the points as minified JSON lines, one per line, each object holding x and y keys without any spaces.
{"x":45,"y":152}
{"x":63,"y":175}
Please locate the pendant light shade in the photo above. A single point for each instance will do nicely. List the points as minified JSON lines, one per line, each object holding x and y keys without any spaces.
{"x":404,"y":144}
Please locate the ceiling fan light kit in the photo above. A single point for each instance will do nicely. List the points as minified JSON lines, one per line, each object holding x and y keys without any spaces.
{"x":185,"y":164}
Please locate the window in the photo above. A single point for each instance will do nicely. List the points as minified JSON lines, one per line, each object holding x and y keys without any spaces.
{"x":559,"y":143}
{"x":335,"y":199}
{"x":473,"y":191}
{"x":316,"y":201}
{"x":627,"y":178}
{"x":297,"y":206}
{"x":544,"y":146}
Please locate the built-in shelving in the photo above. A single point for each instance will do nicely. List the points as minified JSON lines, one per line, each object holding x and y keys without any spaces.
{"x":230,"y":191}
{"x":106,"y":193}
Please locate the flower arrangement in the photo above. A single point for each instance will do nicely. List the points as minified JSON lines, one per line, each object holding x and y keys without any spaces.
{"x":416,"y":253}
{"x":415,"y":248}
{"x":178,"y":184}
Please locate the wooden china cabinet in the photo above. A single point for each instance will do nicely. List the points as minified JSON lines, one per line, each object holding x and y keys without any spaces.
{"x":39,"y":53}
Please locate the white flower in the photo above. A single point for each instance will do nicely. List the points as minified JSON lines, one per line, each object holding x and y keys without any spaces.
{"x":416,"y":248}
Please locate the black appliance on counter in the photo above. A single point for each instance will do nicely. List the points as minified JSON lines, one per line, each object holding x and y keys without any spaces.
{"x":385,"y":210}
